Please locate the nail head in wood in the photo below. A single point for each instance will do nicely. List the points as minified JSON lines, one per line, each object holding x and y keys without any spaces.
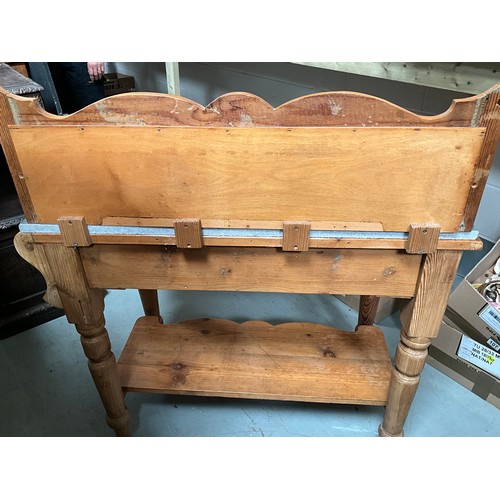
{"x":296,"y":236}
{"x":74,"y":231}
{"x":423,"y":238}
{"x":188,"y":233}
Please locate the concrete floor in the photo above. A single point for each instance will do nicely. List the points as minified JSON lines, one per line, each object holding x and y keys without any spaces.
{"x":46,"y":389}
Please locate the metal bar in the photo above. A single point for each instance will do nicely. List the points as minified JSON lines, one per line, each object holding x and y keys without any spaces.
{"x":239,"y":232}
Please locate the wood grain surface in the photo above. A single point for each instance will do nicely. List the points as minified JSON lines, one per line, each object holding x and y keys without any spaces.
{"x":355,"y":272}
{"x":293,"y":361}
{"x":391,"y":176}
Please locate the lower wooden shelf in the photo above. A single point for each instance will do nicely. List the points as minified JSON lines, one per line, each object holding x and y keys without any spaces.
{"x":292,"y":361}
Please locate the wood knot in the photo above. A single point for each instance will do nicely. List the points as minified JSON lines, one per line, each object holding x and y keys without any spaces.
{"x":29,"y":246}
{"x":205,"y":331}
{"x":328,"y":353}
{"x":178,"y":377}
{"x":389,"y":270}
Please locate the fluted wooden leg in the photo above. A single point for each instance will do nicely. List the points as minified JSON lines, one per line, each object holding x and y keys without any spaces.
{"x":421,"y":320}
{"x":368,"y":305}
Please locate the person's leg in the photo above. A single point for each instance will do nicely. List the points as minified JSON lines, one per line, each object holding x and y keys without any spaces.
{"x":57,"y":71}
{"x":82,"y":89}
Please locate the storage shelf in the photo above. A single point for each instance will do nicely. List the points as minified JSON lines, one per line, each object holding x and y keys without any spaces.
{"x":293,"y":361}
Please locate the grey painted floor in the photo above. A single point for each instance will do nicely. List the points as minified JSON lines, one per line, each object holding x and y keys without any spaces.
{"x":46,"y":389}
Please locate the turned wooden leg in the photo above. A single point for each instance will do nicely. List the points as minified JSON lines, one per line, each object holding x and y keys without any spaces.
{"x":149,"y":299}
{"x":84,"y":307}
{"x":368,"y":305}
{"x":408,"y":364}
{"x":103,"y":368}
{"x":421,"y":320}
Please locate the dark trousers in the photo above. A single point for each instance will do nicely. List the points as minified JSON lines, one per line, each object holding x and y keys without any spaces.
{"x":74,"y":86}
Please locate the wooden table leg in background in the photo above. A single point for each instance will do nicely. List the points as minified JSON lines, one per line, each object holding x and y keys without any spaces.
{"x":421,"y":320}
{"x":149,"y":299}
{"x":84,"y":307}
{"x":368,"y":305}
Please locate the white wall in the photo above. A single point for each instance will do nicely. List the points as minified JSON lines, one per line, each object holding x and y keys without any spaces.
{"x":280,"y":82}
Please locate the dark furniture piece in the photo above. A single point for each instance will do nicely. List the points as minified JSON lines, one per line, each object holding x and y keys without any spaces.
{"x":22,"y":286}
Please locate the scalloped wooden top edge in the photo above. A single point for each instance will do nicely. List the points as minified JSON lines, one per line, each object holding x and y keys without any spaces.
{"x":219,"y":325}
{"x":243,"y":109}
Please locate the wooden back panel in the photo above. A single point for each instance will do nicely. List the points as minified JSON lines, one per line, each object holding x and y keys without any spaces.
{"x":325,"y":158}
{"x":391,"y":176}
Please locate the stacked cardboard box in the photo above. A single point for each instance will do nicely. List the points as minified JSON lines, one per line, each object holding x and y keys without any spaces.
{"x":468,"y":346}
{"x":116,"y":83}
{"x":472,"y":311}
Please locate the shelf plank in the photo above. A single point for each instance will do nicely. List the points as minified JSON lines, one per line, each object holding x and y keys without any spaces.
{"x":293,"y":361}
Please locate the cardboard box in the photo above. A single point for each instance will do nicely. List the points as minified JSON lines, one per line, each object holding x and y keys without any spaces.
{"x":462,"y":359}
{"x":386,"y":307}
{"x":116,"y":83}
{"x":470,"y":311}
